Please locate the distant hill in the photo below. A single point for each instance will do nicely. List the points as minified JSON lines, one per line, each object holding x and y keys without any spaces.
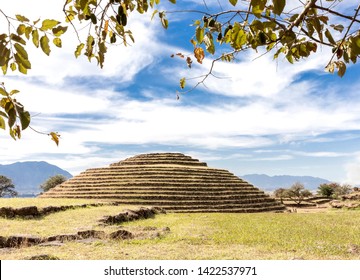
{"x":28,"y":176}
{"x":270,"y":183}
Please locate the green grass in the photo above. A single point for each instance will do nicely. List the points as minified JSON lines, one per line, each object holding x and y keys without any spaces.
{"x":327,"y":235}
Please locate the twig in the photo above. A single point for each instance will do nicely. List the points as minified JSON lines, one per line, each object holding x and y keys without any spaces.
{"x":67,"y":17}
{"x":337,"y":13}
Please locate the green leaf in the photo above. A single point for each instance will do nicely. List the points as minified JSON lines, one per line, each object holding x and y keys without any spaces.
{"x":258,"y":7}
{"x":17,"y":38}
{"x":182,"y":83}
{"x":48,"y":24}
{"x":2,"y":123}
{"x":3,"y":92}
{"x":78,"y":50}
{"x":290,"y":58}
{"x":199,"y":34}
{"x":233,"y":2}
{"x":57,"y":42}
{"x":21,"y":51}
{"x":14,"y":91}
{"x":58,"y":31}
{"x":279,"y":6}
{"x":329,"y":37}
{"x":4,"y":68}
{"x":13,"y":66}
{"x":12,"y":117}
{"x":93,"y":19}
{"x":22,"y":69}
{"x":209,"y":43}
{"x":22,"y":61}
{"x":338,"y":27}
{"x":21,"y":18}
{"x":172,"y":1}
{"x":318,"y":27}
{"x":21,"y":29}
{"x":44,"y":44}
{"x":35,"y":37}
{"x":24,"y":119}
{"x":89,"y":47}
{"x":164,"y":21}
{"x":153,"y":14}
{"x":27,"y":32}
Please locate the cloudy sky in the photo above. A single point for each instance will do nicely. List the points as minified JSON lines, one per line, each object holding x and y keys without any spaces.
{"x":261,"y":116}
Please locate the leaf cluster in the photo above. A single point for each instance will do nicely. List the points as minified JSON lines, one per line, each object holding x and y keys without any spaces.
{"x":13,"y":53}
{"x":107,"y":22}
{"x":267,"y":25}
{"x":13,"y":111}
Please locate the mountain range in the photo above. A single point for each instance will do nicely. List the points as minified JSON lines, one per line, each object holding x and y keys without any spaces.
{"x":28,"y":176}
{"x":270,"y":183}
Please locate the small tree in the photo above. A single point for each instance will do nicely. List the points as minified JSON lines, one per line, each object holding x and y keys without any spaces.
{"x":280,"y":193}
{"x":334,"y":189}
{"x":297,"y":193}
{"x":325,"y":190}
{"x":343,"y":190}
{"x":7,"y":187}
{"x":52,"y":182}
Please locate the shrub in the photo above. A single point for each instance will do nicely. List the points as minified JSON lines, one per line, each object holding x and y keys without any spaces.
{"x":52,"y":182}
{"x":334,"y":189}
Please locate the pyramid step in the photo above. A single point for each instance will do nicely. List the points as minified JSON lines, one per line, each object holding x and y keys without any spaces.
{"x":153,"y":184}
{"x":157,"y":158}
{"x":179,"y":191}
{"x":227,"y":210}
{"x":170,"y":197}
{"x":158,"y":170}
{"x":164,"y":202}
{"x":154,"y":179}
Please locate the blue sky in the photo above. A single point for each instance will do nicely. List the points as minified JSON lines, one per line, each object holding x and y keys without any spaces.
{"x":263,"y":116}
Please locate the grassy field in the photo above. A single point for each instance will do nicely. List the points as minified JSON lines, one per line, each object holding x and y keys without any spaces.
{"x":328,"y":235}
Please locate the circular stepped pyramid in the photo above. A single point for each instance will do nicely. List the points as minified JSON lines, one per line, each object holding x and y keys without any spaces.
{"x":173,"y":181}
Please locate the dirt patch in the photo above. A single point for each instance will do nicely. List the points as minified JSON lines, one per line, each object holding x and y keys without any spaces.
{"x":88,"y":236}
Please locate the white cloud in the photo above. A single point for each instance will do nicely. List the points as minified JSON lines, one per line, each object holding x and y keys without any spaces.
{"x":278,"y":109}
{"x":352,"y":170}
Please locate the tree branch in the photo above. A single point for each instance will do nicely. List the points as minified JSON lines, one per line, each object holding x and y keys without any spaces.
{"x":310,"y":4}
{"x":336,"y":13}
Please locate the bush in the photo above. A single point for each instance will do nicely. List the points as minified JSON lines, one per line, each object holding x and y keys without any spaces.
{"x":334,"y":189}
{"x":52,"y":182}
{"x":325,"y":190}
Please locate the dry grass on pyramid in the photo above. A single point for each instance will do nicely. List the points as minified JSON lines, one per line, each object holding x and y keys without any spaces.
{"x":172,"y":181}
